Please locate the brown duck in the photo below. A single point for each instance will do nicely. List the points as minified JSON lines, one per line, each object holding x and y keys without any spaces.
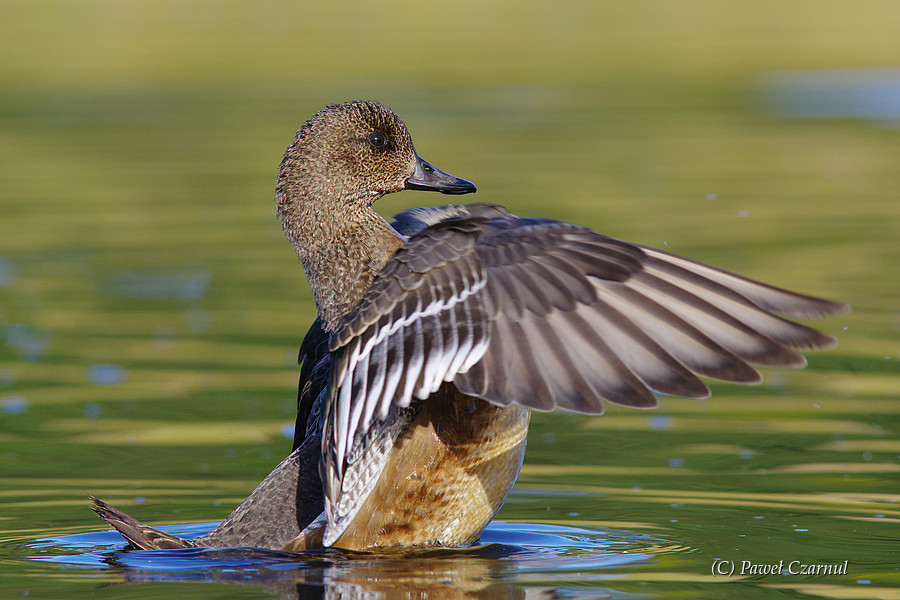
{"x":438,"y":333}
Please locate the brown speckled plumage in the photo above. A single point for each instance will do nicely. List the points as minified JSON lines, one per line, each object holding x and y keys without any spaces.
{"x":327,"y":216}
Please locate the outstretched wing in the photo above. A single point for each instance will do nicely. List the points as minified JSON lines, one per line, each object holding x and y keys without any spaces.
{"x":546,"y":314}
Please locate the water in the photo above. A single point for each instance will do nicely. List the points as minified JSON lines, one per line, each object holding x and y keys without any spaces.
{"x":508,"y":553}
{"x":150,"y":309}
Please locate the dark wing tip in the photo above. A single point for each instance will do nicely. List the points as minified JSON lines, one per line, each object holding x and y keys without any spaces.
{"x":815,"y":340}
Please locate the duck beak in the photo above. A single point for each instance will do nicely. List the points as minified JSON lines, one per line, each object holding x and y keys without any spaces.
{"x":427,"y":177}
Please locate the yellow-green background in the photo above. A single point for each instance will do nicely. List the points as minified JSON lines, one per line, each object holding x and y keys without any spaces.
{"x":141,"y":139}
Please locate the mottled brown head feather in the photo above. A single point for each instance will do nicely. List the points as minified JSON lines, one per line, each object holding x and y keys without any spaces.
{"x":342,"y":160}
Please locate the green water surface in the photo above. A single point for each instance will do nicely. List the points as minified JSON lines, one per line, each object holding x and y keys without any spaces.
{"x":150,"y":309}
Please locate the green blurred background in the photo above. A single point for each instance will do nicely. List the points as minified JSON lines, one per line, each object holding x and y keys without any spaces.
{"x":151,"y":310}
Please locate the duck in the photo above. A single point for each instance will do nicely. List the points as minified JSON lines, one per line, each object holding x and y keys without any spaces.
{"x":437,"y":335}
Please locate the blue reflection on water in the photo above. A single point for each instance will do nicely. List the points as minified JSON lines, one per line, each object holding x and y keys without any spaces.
{"x":31,"y":342}
{"x":106,"y":374}
{"x":659,"y":422}
{"x":157,"y":285}
{"x":13,"y":405}
{"x":92,"y":410}
{"x":507,"y":551}
{"x":834,"y":94}
{"x":7,"y":271}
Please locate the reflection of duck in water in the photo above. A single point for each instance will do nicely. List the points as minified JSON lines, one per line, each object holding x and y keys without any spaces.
{"x":437,"y":334}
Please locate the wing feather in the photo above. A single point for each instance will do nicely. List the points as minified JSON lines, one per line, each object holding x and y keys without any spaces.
{"x":766,"y":297}
{"x":542,"y":314}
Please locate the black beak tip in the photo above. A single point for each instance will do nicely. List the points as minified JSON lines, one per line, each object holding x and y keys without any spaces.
{"x":429,"y":178}
{"x":461,"y":186}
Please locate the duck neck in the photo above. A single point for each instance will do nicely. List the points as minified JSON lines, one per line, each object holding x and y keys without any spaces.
{"x":342,"y":246}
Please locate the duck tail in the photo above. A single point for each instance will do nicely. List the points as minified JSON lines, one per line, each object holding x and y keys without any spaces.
{"x":142,"y":537}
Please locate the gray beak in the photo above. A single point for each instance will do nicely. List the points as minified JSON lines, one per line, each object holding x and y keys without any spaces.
{"x":427,"y":177}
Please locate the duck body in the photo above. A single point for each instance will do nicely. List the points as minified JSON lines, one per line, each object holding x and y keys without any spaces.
{"x":445,"y":475}
{"x":438,"y":333}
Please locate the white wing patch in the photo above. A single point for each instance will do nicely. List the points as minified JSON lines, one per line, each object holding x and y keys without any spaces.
{"x":406,"y":358}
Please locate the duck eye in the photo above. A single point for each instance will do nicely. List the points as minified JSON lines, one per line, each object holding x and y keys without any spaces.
{"x":378,"y":140}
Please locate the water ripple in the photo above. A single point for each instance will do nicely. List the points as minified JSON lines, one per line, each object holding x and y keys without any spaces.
{"x":527,"y":552}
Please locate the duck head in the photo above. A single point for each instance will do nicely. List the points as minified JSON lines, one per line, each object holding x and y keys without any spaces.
{"x":355,"y":153}
{"x":341,"y":161}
